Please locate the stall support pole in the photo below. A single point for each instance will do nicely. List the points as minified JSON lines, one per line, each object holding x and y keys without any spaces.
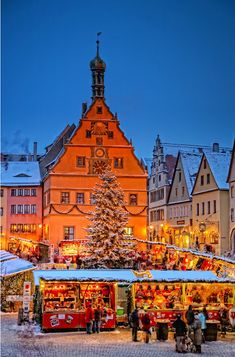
{"x":183,"y":293}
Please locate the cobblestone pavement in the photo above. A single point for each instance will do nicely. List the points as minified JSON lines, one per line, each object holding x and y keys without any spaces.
{"x":16,"y":341}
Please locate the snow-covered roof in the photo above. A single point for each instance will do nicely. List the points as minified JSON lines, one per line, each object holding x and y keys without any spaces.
{"x":190,"y":163}
{"x":13,"y":264}
{"x":219,"y":164}
{"x":84,"y":275}
{"x":20,"y":173}
{"x":121,"y":275}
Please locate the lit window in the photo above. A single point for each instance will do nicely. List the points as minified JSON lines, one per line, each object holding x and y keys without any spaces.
{"x":128,"y":231}
{"x":69,"y":233}
{"x":64,"y":197}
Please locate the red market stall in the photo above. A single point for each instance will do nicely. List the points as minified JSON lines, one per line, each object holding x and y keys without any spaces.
{"x":65,"y":294}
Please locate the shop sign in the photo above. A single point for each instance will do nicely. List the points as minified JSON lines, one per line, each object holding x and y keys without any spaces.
{"x":26,"y":296}
{"x":17,"y":298}
{"x":181,"y":222}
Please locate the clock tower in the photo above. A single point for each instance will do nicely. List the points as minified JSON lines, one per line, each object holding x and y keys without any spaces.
{"x":96,"y":143}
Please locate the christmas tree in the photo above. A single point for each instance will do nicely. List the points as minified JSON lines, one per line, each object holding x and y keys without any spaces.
{"x":107,"y":246}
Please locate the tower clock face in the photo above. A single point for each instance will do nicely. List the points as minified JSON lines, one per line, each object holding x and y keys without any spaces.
{"x":99,"y":167}
{"x":99,"y":152}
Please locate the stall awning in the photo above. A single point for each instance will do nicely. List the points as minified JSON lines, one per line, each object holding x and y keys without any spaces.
{"x":11,"y":264}
{"x":122,"y":275}
{"x":114,"y":275}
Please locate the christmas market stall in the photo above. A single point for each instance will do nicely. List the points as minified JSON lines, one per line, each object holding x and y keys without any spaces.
{"x":14,"y":273}
{"x":62,"y":296}
{"x":165,"y":294}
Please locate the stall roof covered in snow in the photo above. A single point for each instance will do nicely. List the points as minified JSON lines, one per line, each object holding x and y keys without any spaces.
{"x":85,"y":275}
{"x":20,"y":173}
{"x":11,"y":264}
{"x":219,"y":164}
{"x":121,"y":275}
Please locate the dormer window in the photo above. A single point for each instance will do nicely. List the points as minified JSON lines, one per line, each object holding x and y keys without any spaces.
{"x":99,"y":110}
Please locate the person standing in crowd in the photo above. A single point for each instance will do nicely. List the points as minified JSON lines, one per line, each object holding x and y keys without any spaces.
{"x":97,"y":319}
{"x":197,"y":333}
{"x":180,"y":333}
{"x":223,"y":320}
{"x":146,"y":324}
{"x":89,"y":318}
{"x":68,"y":262}
{"x":202,"y":319}
{"x":189,"y":316}
{"x":134,"y":324}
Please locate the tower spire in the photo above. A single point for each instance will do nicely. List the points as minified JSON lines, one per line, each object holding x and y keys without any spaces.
{"x":97,"y":66}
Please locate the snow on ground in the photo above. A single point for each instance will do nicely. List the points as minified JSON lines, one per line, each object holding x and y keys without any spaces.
{"x":106,"y":344}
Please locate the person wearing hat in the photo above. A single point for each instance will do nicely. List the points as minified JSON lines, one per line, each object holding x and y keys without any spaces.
{"x":180,"y":332}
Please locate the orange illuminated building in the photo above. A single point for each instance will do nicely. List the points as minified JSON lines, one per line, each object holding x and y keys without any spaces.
{"x":97,"y":142}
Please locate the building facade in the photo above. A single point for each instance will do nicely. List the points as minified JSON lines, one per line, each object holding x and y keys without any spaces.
{"x":159,"y":184}
{"x":22,"y":196}
{"x":231,"y":182}
{"x":97,"y":143}
{"x":179,"y":213}
{"x":210,"y":203}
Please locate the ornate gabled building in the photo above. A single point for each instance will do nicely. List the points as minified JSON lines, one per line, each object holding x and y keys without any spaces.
{"x":210,"y":203}
{"x":96,"y":143}
{"x":159,"y":184}
{"x":180,"y":225}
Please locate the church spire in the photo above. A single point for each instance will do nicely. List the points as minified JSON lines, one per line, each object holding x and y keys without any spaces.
{"x":97,"y":66}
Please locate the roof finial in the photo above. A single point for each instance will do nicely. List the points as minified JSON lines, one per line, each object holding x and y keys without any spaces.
{"x":98,"y":44}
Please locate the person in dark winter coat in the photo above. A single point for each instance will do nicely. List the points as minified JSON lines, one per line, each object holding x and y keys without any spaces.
{"x":134,"y":324}
{"x":189,"y":315}
{"x":180,"y":332}
{"x":146,"y":324}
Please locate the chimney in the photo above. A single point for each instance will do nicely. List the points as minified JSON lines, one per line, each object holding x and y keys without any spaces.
{"x":215,"y":147}
{"x":35,"y":149}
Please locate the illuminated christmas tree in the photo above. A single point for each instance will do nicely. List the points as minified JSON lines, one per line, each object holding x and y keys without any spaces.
{"x":108,"y":247}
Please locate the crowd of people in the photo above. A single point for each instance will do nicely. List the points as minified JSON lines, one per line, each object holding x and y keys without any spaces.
{"x":190,"y":330}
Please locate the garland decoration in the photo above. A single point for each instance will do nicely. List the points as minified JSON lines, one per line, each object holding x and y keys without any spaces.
{"x":135,"y":214}
{"x":70,"y":210}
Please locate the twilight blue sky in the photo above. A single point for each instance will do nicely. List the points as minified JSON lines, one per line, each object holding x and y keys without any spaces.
{"x":170,"y":69}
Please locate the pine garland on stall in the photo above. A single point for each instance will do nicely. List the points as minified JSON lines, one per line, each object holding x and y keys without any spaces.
{"x":108,"y":246}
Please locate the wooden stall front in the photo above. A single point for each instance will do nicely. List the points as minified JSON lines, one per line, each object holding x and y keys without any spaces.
{"x":65,"y":294}
{"x":168,"y":293}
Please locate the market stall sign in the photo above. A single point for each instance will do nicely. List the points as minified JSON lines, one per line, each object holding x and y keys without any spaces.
{"x":181,"y":222}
